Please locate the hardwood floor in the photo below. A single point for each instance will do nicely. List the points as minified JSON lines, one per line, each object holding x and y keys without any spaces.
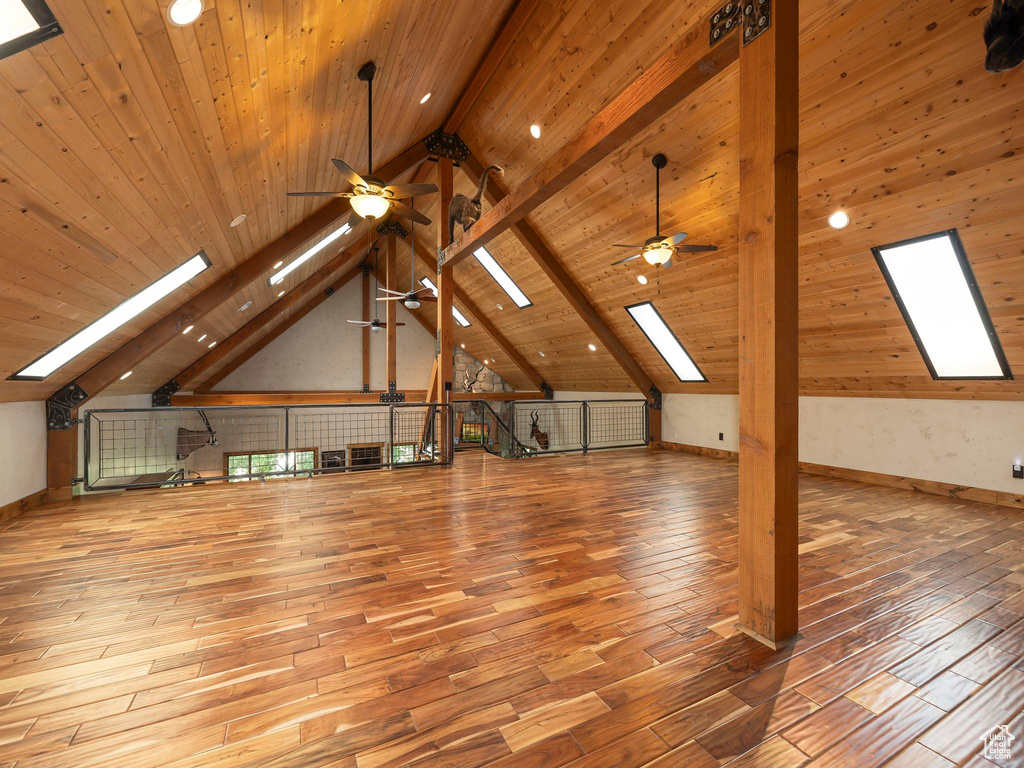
{"x":558,"y":611}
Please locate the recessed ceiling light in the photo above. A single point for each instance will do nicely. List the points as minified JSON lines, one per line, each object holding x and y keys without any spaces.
{"x":542,"y":354}
{"x":202,"y":337}
{"x":244,"y":307}
{"x":125,"y":375}
{"x":181,"y":13}
{"x":282,"y":293}
{"x":642,"y":279}
{"x":591,"y":347}
{"x":278,"y":265}
{"x":211,"y":345}
{"x":187,"y":330}
{"x":839,"y":220}
{"x":485,"y":362}
{"x":424,"y":99}
{"x":310,"y":253}
{"x":535,"y":131}
{"x":462,"y":345}
{"x":499,"y":306}
{"x":238,"y":220}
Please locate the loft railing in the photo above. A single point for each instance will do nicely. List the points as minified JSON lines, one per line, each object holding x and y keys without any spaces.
{"x":578,"y":426}
{"x":155,"y":447}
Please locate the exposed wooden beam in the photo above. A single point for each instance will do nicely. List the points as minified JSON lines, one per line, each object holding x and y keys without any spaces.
{"x":445,"y":283}
{"x":308,"y":307}
{"x":500,"y":45}
{"x":342,"y":261}
{"x":366,"y":330}
{"x":768,"y":360}
{"x":329,"y":397}
{"x":689,"y":64}
{"x":391,"y":312}
{"x":552,"y":267}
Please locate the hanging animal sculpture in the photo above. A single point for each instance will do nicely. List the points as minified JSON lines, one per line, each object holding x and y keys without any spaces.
{"x":468,"y":385}
{"x":191,"y":440}
{"x":536,"y":434}
{"x":466,"y":210}
{"x":1004,"y":35}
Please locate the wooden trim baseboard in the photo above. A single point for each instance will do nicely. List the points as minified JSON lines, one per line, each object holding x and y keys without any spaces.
{"x":934,"y":487}
{"x":15,"y":508}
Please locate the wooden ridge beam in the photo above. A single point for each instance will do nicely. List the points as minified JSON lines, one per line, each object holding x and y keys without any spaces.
{"x":333,"y":397}
{"x":688,"y":64}
{"x":250,"y":329}
{"x":308,"y":307}
{"x":500,"y":45}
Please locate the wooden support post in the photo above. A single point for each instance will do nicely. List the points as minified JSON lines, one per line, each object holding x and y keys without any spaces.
{"x":445,"y":286}
{"x":768,"y":358}
{"x":391,"y":307}
{"x":366,"y":330}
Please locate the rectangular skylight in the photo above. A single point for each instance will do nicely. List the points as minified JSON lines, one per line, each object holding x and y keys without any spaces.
{"x":24,"y":23}
{"x":113,"y":320}
{"x":934,"y":287}
{"x":501,"y":277}
{"x":277,"y":277}
{"x":660,"y":335}
{"x":459,"y":317}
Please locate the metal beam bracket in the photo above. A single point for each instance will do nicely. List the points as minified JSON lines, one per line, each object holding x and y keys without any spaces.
{"x":549,"y":394}
{"x":755,"y":16}
{"x":440,"y":259}
{"x":60,"y":405}
{"x":392,"y":397}
{"x":329,"y":291}
{"x":366,"y":389}
{"x":392,"y":227}
{"x":655,"y":397}
{"x":446,"y":145}
{"x":162,"y":396}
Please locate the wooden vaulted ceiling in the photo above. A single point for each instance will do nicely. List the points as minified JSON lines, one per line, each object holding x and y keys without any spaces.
{"x":169,"y":133}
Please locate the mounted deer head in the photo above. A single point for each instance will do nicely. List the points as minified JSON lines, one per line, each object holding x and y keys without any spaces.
{"x":467,"y":384}
{"x":535,"y":433}
{"x":1004,"y":35}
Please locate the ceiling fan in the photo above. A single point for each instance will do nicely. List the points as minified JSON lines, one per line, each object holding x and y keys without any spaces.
{"x":375,"y":324}
{"x":414,"y":296}
{"x":371,"y":196}
{"x":659,"y":250}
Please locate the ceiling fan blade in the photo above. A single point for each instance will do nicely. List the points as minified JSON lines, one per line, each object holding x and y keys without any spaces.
{"x":424,"y":289}
{"x":620,"y":245}
{"x":628,"y":258}
{"x":350,"y":175}
{"x":406,"y":212}
{"x":356,"y":322}
{"x":388,"y":290}
{"x":316,"y":194}
{"x":666,"y":265}
{"x":426,"y":298}
{"x":410,"y":190}
{"x":676,"y":238}
{"x":390,"y":298}
{"x":695,"y":248}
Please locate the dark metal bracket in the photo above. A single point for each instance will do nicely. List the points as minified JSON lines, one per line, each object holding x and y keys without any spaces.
{"x":440,"y":259}
{"x":655,"y":397}
{"x":446,"y":145}
{"x":329,"y":291}
{"x":392,"y":387}
{"x":549,"y":394}
{"x":392,"y":397}
{"x":755,"y":16}
{"x":162,"y":396}
{"x":60,"y":405}
{"x":366,"y":389}
{"x":367,"y":269}
{"x":392,"y":227}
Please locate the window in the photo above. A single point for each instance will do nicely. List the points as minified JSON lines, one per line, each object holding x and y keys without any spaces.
{"x":403,"y":453}
{"x":501,"y":278}
{"x":114,"y":319}
{"x":365,"y":455}
{"x":277,"y":277}
{"x":934,"y":287}
{"x":459,"y":317}
{"x":239,"y":465}
{"x":660,"y":335}
{"x":24,"y":23}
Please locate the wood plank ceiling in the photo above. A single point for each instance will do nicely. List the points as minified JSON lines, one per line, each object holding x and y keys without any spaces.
{"x":169,"y":133}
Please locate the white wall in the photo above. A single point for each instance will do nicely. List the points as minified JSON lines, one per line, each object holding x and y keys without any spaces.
{"x":22,"y":450}
{"x":965,"y":442}
{"x":323,"y":351}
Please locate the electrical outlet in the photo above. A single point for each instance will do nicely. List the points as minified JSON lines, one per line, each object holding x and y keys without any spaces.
{"x":721,"y":436}
{"x":1018,"y":471}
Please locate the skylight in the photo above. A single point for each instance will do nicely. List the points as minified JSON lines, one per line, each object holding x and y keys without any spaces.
{"x":277,"y":277}
{"x":501,"y":277}
{"x":459,"y":317}
{"x":114,"y":319}
{"x":934,"y":287}
{"x":24,"y":23}
{"x":660,"y":335}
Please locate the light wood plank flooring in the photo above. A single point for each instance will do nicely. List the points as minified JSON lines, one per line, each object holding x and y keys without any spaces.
{"x":552,"y":612}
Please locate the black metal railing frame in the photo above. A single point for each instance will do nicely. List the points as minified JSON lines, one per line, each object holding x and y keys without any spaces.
{"x":639,"y":431}
{"x":442,"y":456}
